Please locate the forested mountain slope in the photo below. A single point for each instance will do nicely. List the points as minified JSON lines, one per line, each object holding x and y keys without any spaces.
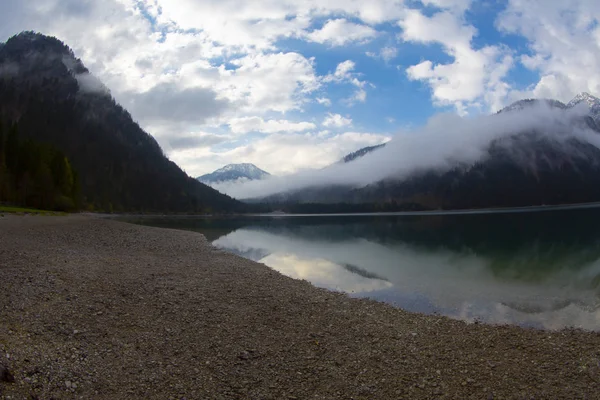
{"x":526,"y":167}
{"x":51,"y":98}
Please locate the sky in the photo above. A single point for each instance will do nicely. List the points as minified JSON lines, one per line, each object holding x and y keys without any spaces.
{"x":291,"y":85}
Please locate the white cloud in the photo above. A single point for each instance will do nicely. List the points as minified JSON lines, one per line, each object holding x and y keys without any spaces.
{"x":89,"y":83}
{"x":257,"y":124}
{"x":238,"y":25}
{"x":386,"y":54}
{"x":130,"y":56}
{"x":201,"y":66}
{"x":344,"y":74}
{"x":474,"y":79}
{"x":336,"y":120}
{"x":324,"y":101}
{"x":259,"y":23}
{"x":564,"y":38}
{"x":276,"y":82}
{"x":359,"y":96}
{"x":338,"y":32}
{"x":280,"y":153}
{"x":174,"y":138}
{"x":194,"y":140}
{"x":456,"y":5}
{"x":170,"y":102}
{"x":445,"y":142}
{"x":343,"y":70}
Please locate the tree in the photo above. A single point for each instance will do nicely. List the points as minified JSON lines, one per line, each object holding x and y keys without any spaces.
{"x":2,"y":146}
{"x":36,"y":175}
{"x":11,"y":150}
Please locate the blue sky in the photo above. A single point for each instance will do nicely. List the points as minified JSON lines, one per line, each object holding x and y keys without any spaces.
{"x":295,"y":84}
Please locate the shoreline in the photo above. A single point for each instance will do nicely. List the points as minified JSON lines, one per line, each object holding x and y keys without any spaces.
{"x":95,"y":308}
{"x":466,"y":211}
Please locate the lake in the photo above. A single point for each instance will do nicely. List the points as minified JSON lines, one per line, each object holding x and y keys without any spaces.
{"x":535,"y":269}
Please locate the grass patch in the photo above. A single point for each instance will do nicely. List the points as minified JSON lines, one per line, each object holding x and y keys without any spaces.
{"x":23,"y":210}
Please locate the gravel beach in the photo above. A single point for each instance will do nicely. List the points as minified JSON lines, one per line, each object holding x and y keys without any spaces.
{"x":99,"y":309}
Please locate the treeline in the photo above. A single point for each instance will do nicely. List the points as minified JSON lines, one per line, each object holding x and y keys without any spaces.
{"x":34,"y":174}
{"x":334,"y":208}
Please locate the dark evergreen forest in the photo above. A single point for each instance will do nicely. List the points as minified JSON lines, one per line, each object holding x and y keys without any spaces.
{"x":119,"y":166}
{"x":36,"y":175}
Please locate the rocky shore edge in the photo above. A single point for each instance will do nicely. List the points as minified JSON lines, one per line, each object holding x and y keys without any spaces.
{"x":94,"y":308}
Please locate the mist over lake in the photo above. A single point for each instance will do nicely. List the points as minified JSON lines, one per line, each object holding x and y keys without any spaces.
{"x":538,"y":269}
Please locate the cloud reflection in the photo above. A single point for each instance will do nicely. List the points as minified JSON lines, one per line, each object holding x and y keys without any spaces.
{"x":460,"y":284}
{"x":324,"y":273}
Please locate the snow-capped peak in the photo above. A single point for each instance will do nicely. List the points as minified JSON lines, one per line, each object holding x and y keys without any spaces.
{"x":583,"y":96}
{"x":592,"y":102}
{"x":525,"y":103}
{"x":235,"y":172}
{"x":243,"y":167}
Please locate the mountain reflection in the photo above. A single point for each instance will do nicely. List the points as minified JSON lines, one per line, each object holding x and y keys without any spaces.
{"x":533,"y":269}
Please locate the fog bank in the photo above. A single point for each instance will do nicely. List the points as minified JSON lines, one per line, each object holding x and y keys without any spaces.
{"x":445,"y":141}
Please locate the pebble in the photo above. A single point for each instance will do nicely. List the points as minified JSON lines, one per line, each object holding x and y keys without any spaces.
{"x":6,"y":375}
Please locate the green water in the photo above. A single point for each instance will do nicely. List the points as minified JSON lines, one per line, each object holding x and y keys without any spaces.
{"x":539,"y":269}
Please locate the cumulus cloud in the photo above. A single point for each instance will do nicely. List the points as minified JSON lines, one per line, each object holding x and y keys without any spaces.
{"x":257,"y":124}
{"x":169,"y":102}
{"x":474,"y":79}
{"x":270,"y":82}
{"x":359,"y":96}
{"x":209,"y":65}
{"x":446,"y":140}
{"x":456,"y":5}
{"x":260,"y":23}
{"x":344,"y":73}
{"x":564,"y":38}
{"x":336,"y":120}
{"x":282,"y":154}
{"x":338,"y":32}
{"x":324,"y":101}
{"x":197,"y":140}
{"x":387,"y":53}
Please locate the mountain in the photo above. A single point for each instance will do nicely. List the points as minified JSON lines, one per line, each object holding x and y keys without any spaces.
{"x":592,"y":102}
{"x":234,"y":172}
{"x":530,"y":167}
{"x":523,"y":104}
{"x":49,"y":96}
{"x":521,"y":170}
{"x":592,"y":120}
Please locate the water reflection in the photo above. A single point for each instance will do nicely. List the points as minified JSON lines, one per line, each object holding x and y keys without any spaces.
{"x":539,"y":269}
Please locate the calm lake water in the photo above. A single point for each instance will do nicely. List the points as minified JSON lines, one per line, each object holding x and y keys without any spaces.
{"x":539,"y":269}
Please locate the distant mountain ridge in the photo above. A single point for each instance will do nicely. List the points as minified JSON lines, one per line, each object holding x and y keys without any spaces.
{"x":523,"y":104}
{"x":592,"y":102}
{"x":524,"y":168}
{"x":234,"y":172}
{"x":52,"y":98}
